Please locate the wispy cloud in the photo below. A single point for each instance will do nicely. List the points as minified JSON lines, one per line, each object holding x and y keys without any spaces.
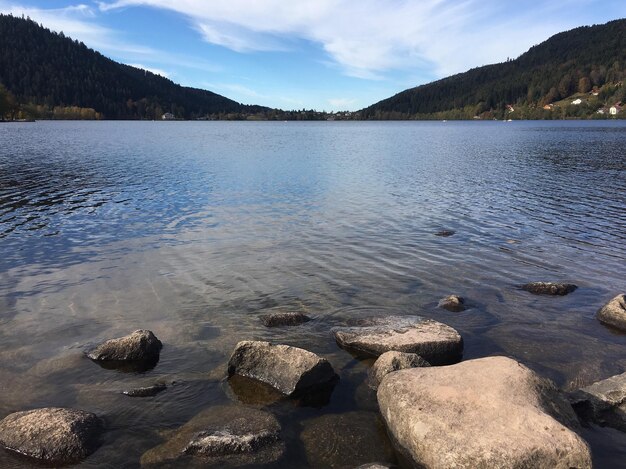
{"x":367,"y":38}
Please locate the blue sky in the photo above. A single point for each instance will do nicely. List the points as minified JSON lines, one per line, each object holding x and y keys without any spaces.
{"x":322,"y":54}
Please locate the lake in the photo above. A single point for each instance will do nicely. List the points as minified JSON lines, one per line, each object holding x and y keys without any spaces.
{"x":194,"y":229}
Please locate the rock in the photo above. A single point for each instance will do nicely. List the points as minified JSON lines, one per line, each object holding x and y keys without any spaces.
{"x":487,"y":413}
{"x":452,"y":303}
{"x":549,"y":288}
{"x":445,"y":233}
{"x":284,"y":319}
{"x":346,"y":440}
{"x":603,"y":402}
{"x":53,"y":435}
{"x":614,"y":313}
{"x":147,"y":391}
{"x":374,"y":465}
{"x":435,"y":342}
{"x":291,"y":370}
{"x":393,"y":361}
{"x":139,"y":348}
{"x":223,"y":435}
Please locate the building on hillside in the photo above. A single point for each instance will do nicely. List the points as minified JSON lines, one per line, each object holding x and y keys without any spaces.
{"x":548,"y":107}
{"x":615,"y":109}
{"x":168,"y":116}
{"x":576,"y":102}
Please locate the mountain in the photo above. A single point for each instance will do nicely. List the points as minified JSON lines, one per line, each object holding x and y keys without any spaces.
{"x":570,"y":64}
{"x":49,"y":70}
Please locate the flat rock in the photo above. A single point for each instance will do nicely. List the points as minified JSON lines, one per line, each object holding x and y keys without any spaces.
{"x":487,"y":413}
{"x":290,"y":370}
{"x":437,"y":343}
{"x":147,"y":391}
{"x":53,"y":435}
{"x":549,"y":288}
{"x":141,"y":346}
{"x":222,"y":436}
{"x":346,"y":440}
{"x":614,"y":313}
{"x":603,"y":402}
{"x":392,"y":361}
{"x":284,"y":318}
{"x":452,"y":303}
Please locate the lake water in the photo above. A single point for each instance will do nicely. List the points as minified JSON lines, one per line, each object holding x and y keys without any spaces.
{"x":193,"y":230}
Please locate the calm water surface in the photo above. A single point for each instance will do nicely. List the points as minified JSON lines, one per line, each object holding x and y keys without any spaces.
{"x":193,"y":230}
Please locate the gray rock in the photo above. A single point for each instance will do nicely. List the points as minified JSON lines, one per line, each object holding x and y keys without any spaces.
{"x":140,"y":346}
{"x":53,"y":435}
{"x":224,"y":435}
{"x":487,"y":413}
{"x":290,"y":370}
{"x":284,"y":319}
{"x":603,"y":402}
{"x":346,"y":440}
{"x":549,"y":288}
{"x":147,"y":391}
{"x":435,"y":342}
{"x":452,"y":303}
{"x":614,"y":313}
{"x":389,"y":362}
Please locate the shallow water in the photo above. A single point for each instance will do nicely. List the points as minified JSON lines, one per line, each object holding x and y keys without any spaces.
{"x":193,"y":230}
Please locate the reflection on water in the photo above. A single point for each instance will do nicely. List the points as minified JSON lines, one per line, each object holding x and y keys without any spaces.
{"x":193,"y":230}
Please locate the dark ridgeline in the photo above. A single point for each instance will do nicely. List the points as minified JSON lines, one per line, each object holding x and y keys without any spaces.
{"x":567,"y":63}
{"x":40,"y":67}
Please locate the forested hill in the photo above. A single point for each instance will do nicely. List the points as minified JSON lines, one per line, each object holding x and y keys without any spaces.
{"x":589,"y":60}
{"x":40,"y":67}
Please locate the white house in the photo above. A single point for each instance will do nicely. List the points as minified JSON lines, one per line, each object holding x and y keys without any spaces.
{"x":614,"y":110}
{"x":168,"y":116}
{"x":577,"y":101}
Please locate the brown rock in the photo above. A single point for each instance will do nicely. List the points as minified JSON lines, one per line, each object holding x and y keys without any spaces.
{"x":487,"y":413}
{"x":147,"y":391}
{"x":435,"y":342}
{"x":614,"y":313}
{"x":52,"y":435}
{"x":291,"y":370}
{"x":284,"y":319}
{"x":549,"y":288}
{"x":452,"y":303}
{"x":389,"y":362}
{"x":220,"y":436}
{"x":140,"y":347}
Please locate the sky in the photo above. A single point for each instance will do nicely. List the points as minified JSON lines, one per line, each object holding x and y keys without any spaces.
{"x":330,"y":55}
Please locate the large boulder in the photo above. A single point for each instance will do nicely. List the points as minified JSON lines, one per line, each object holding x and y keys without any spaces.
{"x":290,"y":370}
{"x":52,"y":435}
{"x":487,"y":413}
{"x":603,"y":402}
{"x":284,"y":318}
{"x":549,"y":288}
{"x":614,"y":313}
{"x":139,"y":347}
{"x":437,"y":343}
{"x":221,"y":436}
{"x":392,"y":361}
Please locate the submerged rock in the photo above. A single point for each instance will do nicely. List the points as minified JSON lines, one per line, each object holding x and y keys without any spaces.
{"x":291,"y":370}
{"x":139,"y":348}
{"x":491,"y":412}
{"x":284,"y":319}
{"x":549,"y":288}
{"x":53,"y":435}
{"x":346,"y":440}
{"x":437,"y":343}
{"x":389,"y":362}
{"x":614,"y":313}
{"x":147,"y":391}
{"x":603,"y":402}
{"x":452,"y":303}
{"x":220,"y":436}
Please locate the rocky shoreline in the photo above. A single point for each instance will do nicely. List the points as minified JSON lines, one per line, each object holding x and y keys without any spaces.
{"x":437,"y":410}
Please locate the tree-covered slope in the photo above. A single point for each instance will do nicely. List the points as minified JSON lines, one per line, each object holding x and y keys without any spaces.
{"x":573,"y":61}
{"x":45,"y":68}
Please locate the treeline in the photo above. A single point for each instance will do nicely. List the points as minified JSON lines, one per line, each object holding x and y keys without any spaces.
{"x":576,"y":61}
{"x":40,"y":67}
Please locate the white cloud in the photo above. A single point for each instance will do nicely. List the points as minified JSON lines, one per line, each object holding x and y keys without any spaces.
{"x":156,"y":71}
{"x":369,"y":37}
